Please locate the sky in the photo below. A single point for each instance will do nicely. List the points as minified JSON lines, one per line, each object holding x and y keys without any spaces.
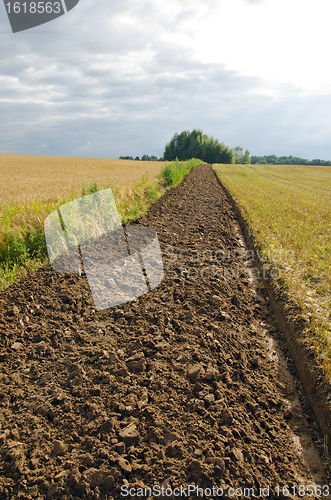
{"x":113,"y":78}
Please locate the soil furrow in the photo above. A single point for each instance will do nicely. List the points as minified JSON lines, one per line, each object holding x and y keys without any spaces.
{"x":185,"y":385}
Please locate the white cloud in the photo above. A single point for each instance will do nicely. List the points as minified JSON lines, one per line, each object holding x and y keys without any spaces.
{"x":281,"y":41}
{"x":117,"y":78}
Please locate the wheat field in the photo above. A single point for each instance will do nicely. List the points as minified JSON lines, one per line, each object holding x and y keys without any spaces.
{"x":33,"y":186}
{"x":48,"y":179}
{"x":288,"y":209}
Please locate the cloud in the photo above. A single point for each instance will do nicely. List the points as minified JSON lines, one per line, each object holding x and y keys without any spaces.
{"x":254,"y":2}
{"x":119,"y":79}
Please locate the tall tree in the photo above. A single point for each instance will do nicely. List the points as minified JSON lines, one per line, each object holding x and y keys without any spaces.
{"x":238,"y":154}
{"x":246,"y":158}
{"x":196,"y":144}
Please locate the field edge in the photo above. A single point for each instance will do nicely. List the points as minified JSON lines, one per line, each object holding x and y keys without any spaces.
{"x":309,"y":368}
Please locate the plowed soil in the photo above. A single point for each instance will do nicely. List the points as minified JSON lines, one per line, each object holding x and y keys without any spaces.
{"x":183,"y":386}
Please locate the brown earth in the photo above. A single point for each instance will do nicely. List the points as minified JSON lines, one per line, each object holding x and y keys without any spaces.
{"x":185,"y":385}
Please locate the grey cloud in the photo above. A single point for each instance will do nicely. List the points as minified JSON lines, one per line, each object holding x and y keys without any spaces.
{"x":97,"y":87}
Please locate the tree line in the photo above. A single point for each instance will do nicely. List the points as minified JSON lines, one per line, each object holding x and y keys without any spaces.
{"x":143,"y":158}
{"x":196,"y":144}
{"x":287,"y":160}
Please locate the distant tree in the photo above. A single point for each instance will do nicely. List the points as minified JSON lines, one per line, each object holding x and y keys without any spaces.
{"x":197,"y":139}
{"x":225,"y":154}
{"x":288,"y":160}
{"x":246,"y":158}
{"x":196,"y":144}
{"x":272,"y":159}
{"x":262,"y":161}
{"x":210,"y":151}
{"x":170,"y":148}
{"x":144,"y":158}
{"x":238,"y":154}
{"x":241,"y":157}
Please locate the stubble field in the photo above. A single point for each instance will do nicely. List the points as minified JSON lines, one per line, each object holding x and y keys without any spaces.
{"x":288,"y":211}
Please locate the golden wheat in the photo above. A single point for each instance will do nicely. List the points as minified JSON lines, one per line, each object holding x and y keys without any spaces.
{"x":49,"y":179}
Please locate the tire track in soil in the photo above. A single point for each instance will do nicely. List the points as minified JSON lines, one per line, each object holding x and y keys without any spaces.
{"x":185,"y":385}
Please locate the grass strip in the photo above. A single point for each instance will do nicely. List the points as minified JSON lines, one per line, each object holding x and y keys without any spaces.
{"x":174,"y":172}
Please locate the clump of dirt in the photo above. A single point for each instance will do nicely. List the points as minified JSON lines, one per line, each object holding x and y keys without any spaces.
{"x":171,"y":389}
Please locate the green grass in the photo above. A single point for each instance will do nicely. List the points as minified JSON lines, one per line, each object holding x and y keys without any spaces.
{"x":22,"y":240}
{"x":174,"y":172}
{"x":288,"y":208}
